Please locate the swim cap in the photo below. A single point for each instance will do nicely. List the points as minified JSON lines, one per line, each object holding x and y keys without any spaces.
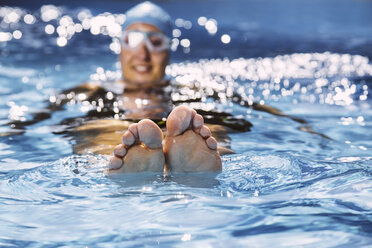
{"x":149,"y":13}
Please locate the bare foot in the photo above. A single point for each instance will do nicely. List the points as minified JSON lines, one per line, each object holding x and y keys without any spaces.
{"x":141,"y":149}
{"x":189,"y":146}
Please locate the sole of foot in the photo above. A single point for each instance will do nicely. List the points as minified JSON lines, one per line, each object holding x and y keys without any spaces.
{"x":141,"y":150}
{"x":189,"y":146}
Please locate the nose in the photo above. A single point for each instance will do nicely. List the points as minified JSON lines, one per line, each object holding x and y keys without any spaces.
{"x":143,"y":52}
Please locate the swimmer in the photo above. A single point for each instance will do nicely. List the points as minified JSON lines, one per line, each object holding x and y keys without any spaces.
{"x":188,"y":145}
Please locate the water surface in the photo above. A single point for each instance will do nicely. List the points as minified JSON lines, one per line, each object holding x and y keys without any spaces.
{"x":284,"y":187}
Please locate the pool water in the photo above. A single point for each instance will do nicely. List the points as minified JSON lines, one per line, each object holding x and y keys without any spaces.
{"x":289,"y":184}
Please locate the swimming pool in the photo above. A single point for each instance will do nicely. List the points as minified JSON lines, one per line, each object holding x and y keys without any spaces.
{"x":284,"y":187}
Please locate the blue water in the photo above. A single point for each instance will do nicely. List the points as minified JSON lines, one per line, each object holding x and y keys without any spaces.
{"x":284,"y":187}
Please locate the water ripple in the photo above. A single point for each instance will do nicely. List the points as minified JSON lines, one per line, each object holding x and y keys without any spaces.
{"x":258,"y":175}
{"x":288,"y":186}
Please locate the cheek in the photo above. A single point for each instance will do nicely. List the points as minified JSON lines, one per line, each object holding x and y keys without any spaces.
{"x":124,"y":58}
{"x":125,"y":62}
{"x":161,"y":61}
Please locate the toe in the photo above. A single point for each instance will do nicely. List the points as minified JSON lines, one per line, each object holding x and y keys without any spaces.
{"x":115,"y":163}
{"x":205,"y":132}
{"x":198,"y":121}
{"x":150,"y":134}
{"x":179,"y":120}
{"x":120,"y":151}
{"x":128,"y":138}
{"x":133,"y":128}
{"x":211,"y":143}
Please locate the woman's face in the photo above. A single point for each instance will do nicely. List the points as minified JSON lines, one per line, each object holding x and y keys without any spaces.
{"x":141,"y":66}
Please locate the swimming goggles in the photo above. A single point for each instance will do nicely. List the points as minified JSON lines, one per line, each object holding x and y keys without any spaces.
{"x":155,"y":41}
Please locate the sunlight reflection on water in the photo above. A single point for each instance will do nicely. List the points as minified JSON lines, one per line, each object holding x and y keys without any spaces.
{"x":282,"y":189}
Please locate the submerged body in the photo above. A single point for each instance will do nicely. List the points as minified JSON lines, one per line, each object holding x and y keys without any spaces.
{"x":101,"y":135}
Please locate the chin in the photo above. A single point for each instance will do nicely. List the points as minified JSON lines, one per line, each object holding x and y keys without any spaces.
{"x":141,"y":83}
{"x":143,"y":80}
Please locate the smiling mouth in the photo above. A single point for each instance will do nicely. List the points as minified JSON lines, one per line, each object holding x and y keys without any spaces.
{"x":142,"y":68}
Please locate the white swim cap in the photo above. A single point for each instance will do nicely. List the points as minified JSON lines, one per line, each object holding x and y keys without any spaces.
{"x":149,"y":13}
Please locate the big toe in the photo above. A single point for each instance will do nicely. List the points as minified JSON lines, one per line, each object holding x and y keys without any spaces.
{"x":149,"y":134}
{"x":179,"y":120}
{"x":189,"y":146}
